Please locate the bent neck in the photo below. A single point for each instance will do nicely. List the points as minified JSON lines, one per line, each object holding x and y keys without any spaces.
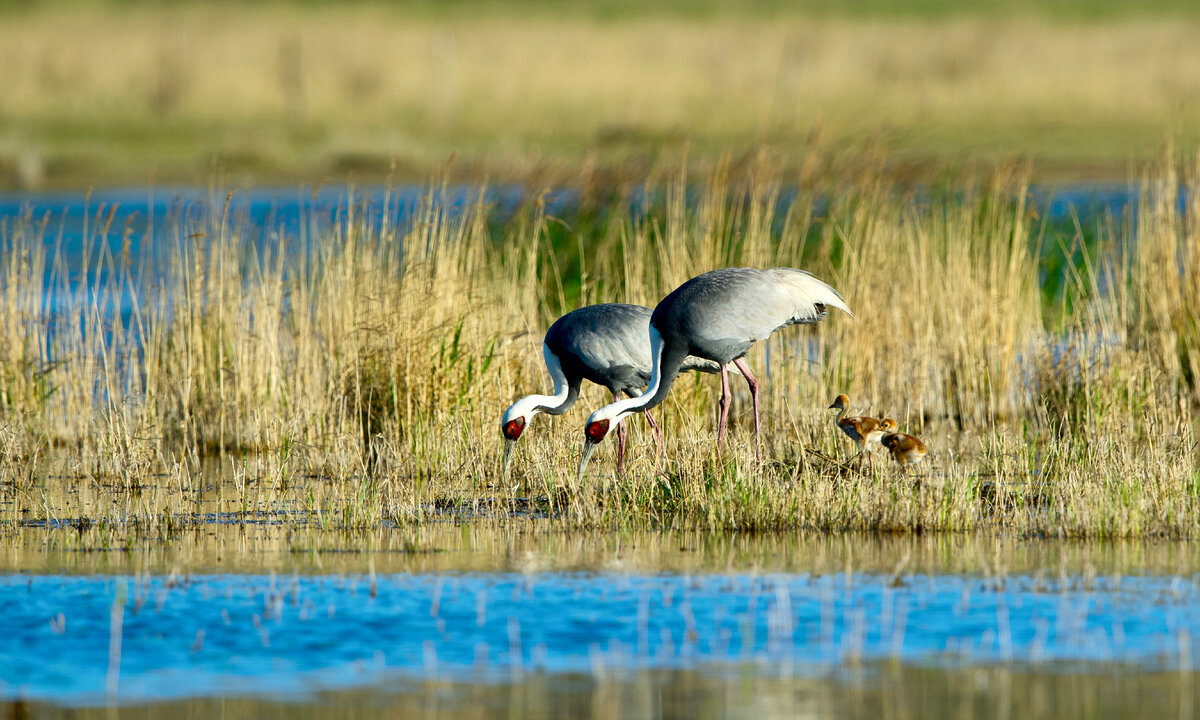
{"x":565,"y":391}
{"x":666,"y":360}
{"x":560,"y":402}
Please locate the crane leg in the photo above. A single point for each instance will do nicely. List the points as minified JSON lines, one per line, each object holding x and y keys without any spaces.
{"x":658,"y":439}
{"x":753,"y":383}
{"x":620,"y":445}
{"x":726,"y":400}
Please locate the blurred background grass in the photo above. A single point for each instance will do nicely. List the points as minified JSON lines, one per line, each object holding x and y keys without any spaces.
{"x":100,"y":93}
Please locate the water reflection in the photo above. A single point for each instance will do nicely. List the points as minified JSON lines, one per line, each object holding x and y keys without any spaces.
{"x":85,"y":639}
{"x":531,"y":545}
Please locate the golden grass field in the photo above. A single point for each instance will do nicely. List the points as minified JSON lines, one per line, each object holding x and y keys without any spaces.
{"x":365,"y":387}
{"x":97,"y":93}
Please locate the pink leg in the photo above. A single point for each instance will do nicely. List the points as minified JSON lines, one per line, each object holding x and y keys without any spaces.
{"x":658,"y":439}
{"x":620,"y":444}
{"x":726,"y":400}
{"x":753,"y":383}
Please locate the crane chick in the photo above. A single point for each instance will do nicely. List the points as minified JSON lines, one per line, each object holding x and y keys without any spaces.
{"x":907,"y":450}
{"x":864,"y":431}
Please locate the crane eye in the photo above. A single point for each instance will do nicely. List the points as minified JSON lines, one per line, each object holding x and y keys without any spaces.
{"x":512,"y":429}
{"x":596,"y":431}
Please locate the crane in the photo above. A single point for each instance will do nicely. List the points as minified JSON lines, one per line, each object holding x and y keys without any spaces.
{"x":907,"y":450}
{"x":864,"y":431}
{"x":718,"y":316}
{"x":607,"y":344}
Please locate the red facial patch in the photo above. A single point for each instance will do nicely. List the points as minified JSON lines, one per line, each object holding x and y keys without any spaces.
{"x":512,"y":429}
{"x":596,"y":431}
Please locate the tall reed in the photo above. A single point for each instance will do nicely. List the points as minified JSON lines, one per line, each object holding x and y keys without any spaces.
{"x":354,"y":372}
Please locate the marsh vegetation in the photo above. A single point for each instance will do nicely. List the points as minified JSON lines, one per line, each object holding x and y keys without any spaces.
{"x":353,"y":375}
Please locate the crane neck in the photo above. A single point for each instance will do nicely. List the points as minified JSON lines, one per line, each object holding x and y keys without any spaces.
{"x":565,"y":391}
{"x":666,"y":361}
{"x":560,"y":402}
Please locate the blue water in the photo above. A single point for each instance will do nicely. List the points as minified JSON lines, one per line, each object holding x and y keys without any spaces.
{"x":221,"y":634}
{"x":93,"y":229}
{"x":79,"y":221}
{"x":93,"y":238}
{"x":132,"y":232}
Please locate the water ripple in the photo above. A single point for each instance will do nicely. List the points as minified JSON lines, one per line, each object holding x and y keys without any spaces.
{"x":231,"y":634}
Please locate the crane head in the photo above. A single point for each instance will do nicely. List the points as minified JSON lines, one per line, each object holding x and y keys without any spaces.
{"x":513,"y":423}
{"x":599,"y":424}
{"x":513,"y":428}
{"x":517,"y":416}
{"x":888,"y":426}
{"x":595,"y":431}
{"x":841,"y":402}
{"x":602,"y":422}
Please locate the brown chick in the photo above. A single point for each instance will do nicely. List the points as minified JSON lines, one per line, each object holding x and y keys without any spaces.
{"x":864,"y":431}
{"x":906,"y":449}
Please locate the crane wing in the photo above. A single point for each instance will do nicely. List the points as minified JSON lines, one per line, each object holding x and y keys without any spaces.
{"x":745,"y":305}
{"x":609,"y":341}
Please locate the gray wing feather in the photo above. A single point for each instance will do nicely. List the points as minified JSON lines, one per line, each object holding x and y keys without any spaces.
{"x":747,"y":305}
{"x":611,"y":341}
{"x":605,"y":336}
{"x":692,"y":362}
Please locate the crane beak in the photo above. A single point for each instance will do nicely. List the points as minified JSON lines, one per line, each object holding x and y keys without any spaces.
{"x":508,"y":456}
{"x":588,"y":448}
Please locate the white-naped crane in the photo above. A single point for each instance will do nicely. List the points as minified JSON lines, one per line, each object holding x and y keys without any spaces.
{"x":718,"y":316}
{"x":607,"y":344}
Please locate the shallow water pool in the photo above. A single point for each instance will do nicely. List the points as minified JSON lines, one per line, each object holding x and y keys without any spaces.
{"x":90,"y":639}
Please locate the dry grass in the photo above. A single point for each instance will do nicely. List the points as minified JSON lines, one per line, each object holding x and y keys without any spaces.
{"x":363,"y":386}
{"x":133,"y":90}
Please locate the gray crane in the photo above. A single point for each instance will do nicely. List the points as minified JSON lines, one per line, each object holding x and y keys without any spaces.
{"x":717,"y":316}
{"x":607,"y":344}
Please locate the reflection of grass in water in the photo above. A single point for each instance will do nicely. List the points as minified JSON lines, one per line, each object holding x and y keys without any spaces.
{"x":501,"y":543}
{"x":278,"y":93}
{"x":866,"y":690}
{"x":365,"y":386}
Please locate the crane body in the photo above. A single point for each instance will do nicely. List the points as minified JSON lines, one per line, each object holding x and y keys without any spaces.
{"x":718,"y":316}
